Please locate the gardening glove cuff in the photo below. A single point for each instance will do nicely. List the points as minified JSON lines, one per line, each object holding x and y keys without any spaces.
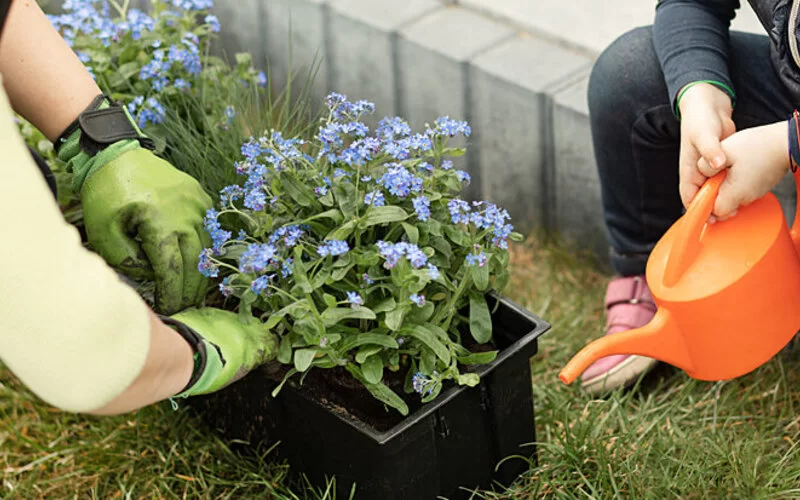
{"x":226,"y":350}
{"x":100,"y":134}
{"x":208,"y":360}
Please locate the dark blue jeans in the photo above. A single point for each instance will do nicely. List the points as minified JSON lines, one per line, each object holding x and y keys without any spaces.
{"x":637,"y":136}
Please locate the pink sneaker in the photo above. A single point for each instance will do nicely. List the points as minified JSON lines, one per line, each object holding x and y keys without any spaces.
{"x":629,"y":305}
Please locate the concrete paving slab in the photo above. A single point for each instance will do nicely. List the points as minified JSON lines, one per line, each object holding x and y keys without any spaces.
{"x":433,"y":73}
{"x":362,"y":49}
{"x":513,"y":129}
{"x":578,"y":210}
{"x":241,"y":22}
{"x":591,"y":24}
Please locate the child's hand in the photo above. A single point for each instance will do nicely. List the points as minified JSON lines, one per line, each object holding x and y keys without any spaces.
{"x":757,"y":159}
{"x":705,"y":121}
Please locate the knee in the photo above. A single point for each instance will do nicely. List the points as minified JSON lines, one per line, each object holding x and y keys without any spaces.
{"x":625,"y":73}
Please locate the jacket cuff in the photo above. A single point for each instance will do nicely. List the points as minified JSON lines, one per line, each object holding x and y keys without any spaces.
{"x":722,"y":86}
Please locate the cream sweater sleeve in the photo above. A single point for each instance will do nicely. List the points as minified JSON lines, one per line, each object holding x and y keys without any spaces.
{"x":71,"y":331}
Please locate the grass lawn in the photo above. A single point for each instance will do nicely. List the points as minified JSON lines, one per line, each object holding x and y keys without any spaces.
{"x":670,"y":437}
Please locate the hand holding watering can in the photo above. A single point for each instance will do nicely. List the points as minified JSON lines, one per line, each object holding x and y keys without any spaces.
{"x":728,"y":293}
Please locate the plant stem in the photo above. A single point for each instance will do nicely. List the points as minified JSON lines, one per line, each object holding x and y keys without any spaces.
{"x":123,"y":9}
{"x":225,"y":265}
{"x":452,"y":302}
{"x":283,"y":292}
{"x":316,"y":313}
{"x":235,"y":210}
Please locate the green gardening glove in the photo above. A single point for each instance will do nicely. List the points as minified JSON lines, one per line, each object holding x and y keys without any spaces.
{"x":142,"y":215}
{"x":225,"y":348}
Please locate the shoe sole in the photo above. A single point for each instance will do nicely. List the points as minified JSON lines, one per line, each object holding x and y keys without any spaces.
{"x":622,"y":375}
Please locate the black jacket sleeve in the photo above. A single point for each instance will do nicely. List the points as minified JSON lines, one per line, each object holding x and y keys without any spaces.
{"x":692,"y":44}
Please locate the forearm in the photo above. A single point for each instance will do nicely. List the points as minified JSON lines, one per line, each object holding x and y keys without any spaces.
{"x":72,"y":331}
{"x":691,"y":41}
{"x":166,"y":372}
{"x":44,"y":80}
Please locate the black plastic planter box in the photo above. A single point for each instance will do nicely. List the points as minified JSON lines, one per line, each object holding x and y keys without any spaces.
{"x":453,"y":444}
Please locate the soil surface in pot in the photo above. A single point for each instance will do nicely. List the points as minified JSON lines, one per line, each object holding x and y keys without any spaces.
{"x":338,"y":391}
{"x":342,"y":394}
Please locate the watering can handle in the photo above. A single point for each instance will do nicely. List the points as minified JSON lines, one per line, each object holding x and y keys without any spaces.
{"x":795,"y":230}
{"x":687,"y":240}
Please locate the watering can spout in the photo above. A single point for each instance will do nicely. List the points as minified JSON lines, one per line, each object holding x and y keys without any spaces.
{"x":659,"y":339}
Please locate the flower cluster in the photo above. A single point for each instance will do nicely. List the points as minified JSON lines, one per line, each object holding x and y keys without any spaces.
{"x":357,"y":247}
{"x":148,"y":58}
{"x":146,"y":111}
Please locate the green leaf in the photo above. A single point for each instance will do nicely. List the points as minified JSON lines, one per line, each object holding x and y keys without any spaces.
{"x":244,"y":59}
{"x":515,"y":236}
{"x":412,"y":232}
{"x":454,"y":152}
{"x":234,"y":251}
{"x":480,"y":321}
{"x":340,"y":273}
{"x":394,"y":360}
{"x":501,"y":280}
{"x":470,"y":379}
{"x":480,"y":276}
{"x":478,"y":358}
{"x":408,"y":383}
{"x":438,"y":296}
{"x":325,"y":362}
{"x":129,"y":69}
{"x":384,"y":305}
{"x":427,"y":361}
{"x":368,"y":259}
{"x":367,"y":351}
{"x":429,"y":339}
{"x":321,"y":277}
{"x":383,"y":215}
{"x":326,"y":199}
{"x":333,"y":214}
{"x":342,"y":232}
{"x":292,"y":308}
{"x":329,"y":299}
{"x":372,"y":369}
{"x":128,"y":55}
{"x":286,"y":377}
{"x":388,"y":396}
{"x":299,"y":272}
{"x":333,"y":338}
{"x":309,"y":329}
{"x":303,"y":358}
{"x":437,"y":330}
{"x":394,"y":319}
{"x":334,"y":315}
{"x":359,"y":339}
{"x":380,"y":391}
{"x":430,"y":396}
{"x":443,"y":247}
{"x":422,"y":314}
{"x":298,"y":191}
{"x":343,"y":260}
{"x":285,"y":351}
{"x":434,"y":227}
{"x":452,"y":183}
{"x":246,"y":305}
{"x":457,"y":236}
{"x":502,"y":258}
{"x":345,"y":194}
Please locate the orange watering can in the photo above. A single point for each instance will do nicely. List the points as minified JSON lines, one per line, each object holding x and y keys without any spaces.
{"x":728,"y":294}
